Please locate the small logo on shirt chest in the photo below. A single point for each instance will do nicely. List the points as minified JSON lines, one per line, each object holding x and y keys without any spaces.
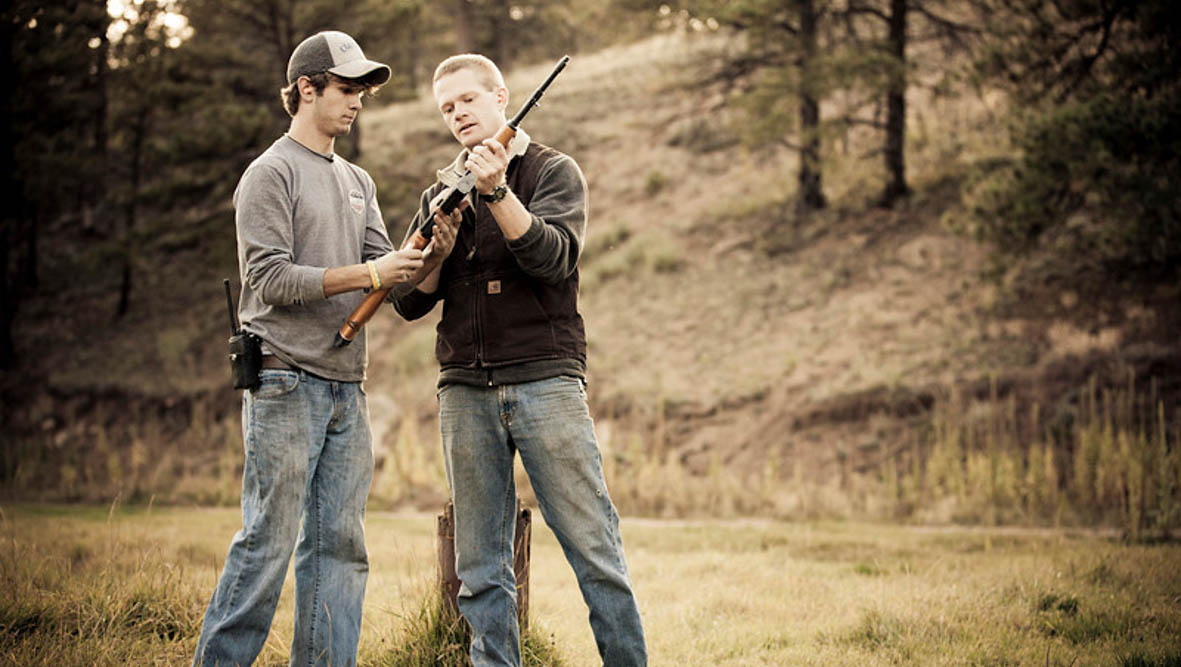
{"x":356,"y":201}
{"x":494,"y":287}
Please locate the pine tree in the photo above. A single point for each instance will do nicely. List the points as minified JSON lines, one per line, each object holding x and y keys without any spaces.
{"x":1098,"y":89}
{"x":781,"y":75}
{"x":50,"y":114}
{"x":881,"y":32}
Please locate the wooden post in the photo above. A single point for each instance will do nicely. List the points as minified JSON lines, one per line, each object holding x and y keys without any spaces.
{"x":449,"y":580}
{"x":522,"y":537}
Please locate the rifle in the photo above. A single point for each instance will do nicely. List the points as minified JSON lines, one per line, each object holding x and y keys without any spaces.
{"x":450,"y":198}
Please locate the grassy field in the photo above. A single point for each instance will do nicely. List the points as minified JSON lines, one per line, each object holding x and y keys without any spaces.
{"x":86,"y":586}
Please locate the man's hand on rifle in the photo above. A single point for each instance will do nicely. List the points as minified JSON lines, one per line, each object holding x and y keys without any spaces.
{"x":443,"y":238}
{"x":488,"y":162}
{"x":446,"y":229}
{"x":399,"y":266}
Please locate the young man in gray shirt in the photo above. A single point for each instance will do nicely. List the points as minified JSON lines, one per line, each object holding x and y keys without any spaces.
{"x":310,"y":238}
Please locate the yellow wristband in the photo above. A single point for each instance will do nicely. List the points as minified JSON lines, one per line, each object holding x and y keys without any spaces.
{"x":374,"y":278}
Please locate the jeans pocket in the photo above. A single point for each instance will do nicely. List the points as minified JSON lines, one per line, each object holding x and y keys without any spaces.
{"x":574,"y":382}
{"x":274,"y":383}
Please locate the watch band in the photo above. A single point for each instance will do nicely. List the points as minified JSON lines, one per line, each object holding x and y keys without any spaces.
{"x":498,"y":193}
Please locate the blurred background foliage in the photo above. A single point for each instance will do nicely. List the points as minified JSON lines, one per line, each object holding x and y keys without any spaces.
{"x":126,"y":117}
{"x":129,"y":122}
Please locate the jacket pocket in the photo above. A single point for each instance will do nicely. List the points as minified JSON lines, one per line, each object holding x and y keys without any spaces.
{"x":516,"y":327}
{"x":456,"y":340}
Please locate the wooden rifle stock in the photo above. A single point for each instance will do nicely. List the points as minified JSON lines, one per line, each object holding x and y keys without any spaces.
{"x":449,"y":200}
{"x":363,"y":312}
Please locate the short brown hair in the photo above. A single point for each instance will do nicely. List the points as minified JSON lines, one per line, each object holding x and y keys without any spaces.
{"x":486,"y":70}
{"x":290,"y":93}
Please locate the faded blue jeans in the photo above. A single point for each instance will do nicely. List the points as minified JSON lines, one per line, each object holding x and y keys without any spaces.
{"x":548,"y":423}
{"x":309,"y":462}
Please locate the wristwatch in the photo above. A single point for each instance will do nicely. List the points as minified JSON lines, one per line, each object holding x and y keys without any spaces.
{"x":498,"y":193}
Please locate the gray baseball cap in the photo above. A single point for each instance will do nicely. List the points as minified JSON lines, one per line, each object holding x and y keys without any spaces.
{"x":333,"y":51}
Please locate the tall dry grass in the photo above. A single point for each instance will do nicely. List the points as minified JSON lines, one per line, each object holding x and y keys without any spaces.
{"x":114,"y":586}
{"x":101,"y":586}
{"x":1111,"y":459}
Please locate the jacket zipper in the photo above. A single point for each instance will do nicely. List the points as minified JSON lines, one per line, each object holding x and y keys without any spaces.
{"x":477,"y":320}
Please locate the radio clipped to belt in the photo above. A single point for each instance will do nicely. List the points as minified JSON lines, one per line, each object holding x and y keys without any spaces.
{"x":245,"y":350}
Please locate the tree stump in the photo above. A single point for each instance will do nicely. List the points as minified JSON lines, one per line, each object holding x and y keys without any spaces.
{"x":449,"y":580}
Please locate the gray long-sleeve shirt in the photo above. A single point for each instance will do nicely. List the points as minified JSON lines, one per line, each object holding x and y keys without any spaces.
{"x":298,"y":213}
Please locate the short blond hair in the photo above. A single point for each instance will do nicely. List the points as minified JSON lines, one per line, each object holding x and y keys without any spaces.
{"x":486,"y":71}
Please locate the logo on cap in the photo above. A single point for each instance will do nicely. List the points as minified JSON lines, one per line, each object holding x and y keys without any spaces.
{"x":334,"y":51}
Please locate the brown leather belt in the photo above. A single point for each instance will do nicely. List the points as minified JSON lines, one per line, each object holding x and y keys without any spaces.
{"x":275,"y":363}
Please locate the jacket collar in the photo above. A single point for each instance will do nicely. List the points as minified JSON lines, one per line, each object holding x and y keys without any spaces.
{"x":451,"y":174}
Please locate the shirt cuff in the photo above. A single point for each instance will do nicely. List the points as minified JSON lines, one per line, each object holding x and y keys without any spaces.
{"x":417,"y":302}
{"x":311,"y":283}
{"x":529,"y":238}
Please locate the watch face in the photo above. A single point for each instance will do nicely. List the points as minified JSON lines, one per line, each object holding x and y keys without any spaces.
{"x":498,"y":193}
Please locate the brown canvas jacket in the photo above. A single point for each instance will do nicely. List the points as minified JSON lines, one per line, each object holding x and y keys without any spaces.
{"x":510,"y":308}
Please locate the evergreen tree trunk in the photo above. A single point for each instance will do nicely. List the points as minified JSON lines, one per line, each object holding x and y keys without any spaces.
{"x":96,"y":188}
{"x":139,"y":130}
{"x":895,"y":158}
{"x":502,"y":33}
{"x":7,"y":303}
{"x":124,"y":286}
{"x":28,"y":269}
{"x":354,"y":146}
{"x":281,"y":17}
{"x":14,"y":190}
{"x":811,"y":194}
{"x":465,"y":20}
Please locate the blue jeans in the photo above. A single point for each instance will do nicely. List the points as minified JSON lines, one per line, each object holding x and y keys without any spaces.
{"x":548,"y":422}
{"x":309,"y":462}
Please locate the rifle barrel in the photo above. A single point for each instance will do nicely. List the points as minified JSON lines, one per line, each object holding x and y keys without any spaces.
{"x":536,"y":97}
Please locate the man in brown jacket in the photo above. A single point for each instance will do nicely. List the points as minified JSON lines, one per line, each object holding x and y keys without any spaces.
{"x":512,"y":353}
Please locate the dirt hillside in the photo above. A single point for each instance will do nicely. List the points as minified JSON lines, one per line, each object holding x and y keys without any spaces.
{"x":732,"y":345}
